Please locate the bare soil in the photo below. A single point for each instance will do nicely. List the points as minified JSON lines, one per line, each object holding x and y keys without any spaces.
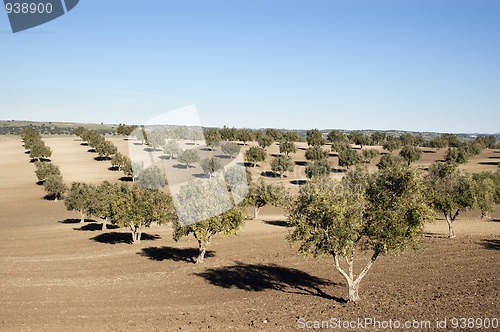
{"x":60,"y":275}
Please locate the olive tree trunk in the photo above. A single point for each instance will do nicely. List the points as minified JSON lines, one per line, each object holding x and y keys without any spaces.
{"x":450,"y":220}
{"x":136,"y":232}
{"x":82,"y":219}
{"x":352,"y":282}
{"x":202,"y":250}
{"x":256,"y":211}
{"x":104,"y":224}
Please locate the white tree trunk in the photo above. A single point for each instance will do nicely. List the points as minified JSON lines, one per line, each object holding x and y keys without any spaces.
{"x":353,"y":283}
{"x":451,"y":229}
{"x":82,"y":219}
{"x":255,"y":213}
{"x":202,"y":249}
{"x":104,"y":223}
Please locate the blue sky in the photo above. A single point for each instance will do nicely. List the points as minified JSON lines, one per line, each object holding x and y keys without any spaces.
{"x":400,"y":64}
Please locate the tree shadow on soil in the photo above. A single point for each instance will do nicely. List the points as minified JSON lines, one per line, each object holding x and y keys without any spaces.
{"x":187,"y":255}
{"x":279,"y":223}
{"x":301,"y":163}
{"x":102,"y":158}
{"x":491,"y":244}
{"x":261,"y":277}
{"x":269,"y":174}
{"x":125,"y":179}
{"x":494,"y":157}
{"x":117,"y":237}
{"x":94,"y":226}
{"x":493,"y":163}
{"x":298,"y":182}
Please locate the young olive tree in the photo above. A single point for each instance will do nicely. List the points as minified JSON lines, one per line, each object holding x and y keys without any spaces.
{"x":287,"y":147}
{"x":79,"y":198}
{"x":485,"y":191}
{"x":119,"y":161}
{"x":265,"y":141}
{"x":45,"y":169}
{"x":101,"y":205}
{"x":210,"y":165}
{"x":318,"y":168}
{"x":137,"y":208}
{"x":262,"y":194}
{"x":54,"y":186}
{"x":315,"y":138}
{"x":348,"y":158}
{"x":281,"y":165}
{"x":188,"y":157}
{"x":255,"y":155}
{"x":230,"y":149}
{"x":368,"y":155}
{"x":211,"y":212}
{"x":410,"y":153}
{"x":172,"y":149}
{"x":151,"y":178}
{"x":451,"y":192}
{"x":40,"y":151}
{"x":316,"y":153}
{"x":382,"y":213}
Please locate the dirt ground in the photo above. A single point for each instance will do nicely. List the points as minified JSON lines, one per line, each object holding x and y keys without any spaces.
{"x":60,"y":275}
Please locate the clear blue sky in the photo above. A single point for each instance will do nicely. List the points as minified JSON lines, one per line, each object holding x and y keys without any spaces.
{"x":401,"y":64}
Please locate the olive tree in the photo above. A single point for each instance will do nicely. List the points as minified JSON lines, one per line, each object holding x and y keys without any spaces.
{"x":45,"y":169}
{"x":389,"y":160}
{"x":410,"y":153}
{"x":230,"y":149}
{"x":255,"y":155}
{"x":40,"y":151}
{"x":316,"y":153}
{"x":485,"y":192}
{"x":137,"y":208}
{"x":391,"y":144}
{"x":188,"y":157}
{"x":265,"y":141}
{"x":206,"y":211}
{"x":210,"y":165}
{"x":348,"y":157}
{"x":119,"y":161}
{"x":368,"y":155}
{"x":105,"y":149}
{"x":382,"y":213}
{"x":318,"y":169}
{"x":151,"y":178}
{"x":315,"y":138}
{"x":212,"y":137}
{"x":262,"y":194}
{"x":54,"y":186}
{"x":281,"y":165}
{"x":287,"y":147}
{"x":79,"y":198}
{"x":451,"y":192}
{"x":101,"y":205}
{"x":172,"y":149}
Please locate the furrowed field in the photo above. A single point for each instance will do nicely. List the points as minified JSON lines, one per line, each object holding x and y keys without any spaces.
{"x":62,"y":275}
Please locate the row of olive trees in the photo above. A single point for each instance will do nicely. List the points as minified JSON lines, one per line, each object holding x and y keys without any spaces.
{"x":34,"y":144}
{"x":107,"y":150}
{"x":120,"y":204}
{"x":47,"y":173}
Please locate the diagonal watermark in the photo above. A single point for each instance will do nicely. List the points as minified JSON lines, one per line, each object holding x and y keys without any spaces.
{"x":203,"y":180}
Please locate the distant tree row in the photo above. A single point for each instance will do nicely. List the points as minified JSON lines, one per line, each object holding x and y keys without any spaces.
{"x":108,"y":151}
{"x":47,"y":173}
{"x":34,"y":144}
